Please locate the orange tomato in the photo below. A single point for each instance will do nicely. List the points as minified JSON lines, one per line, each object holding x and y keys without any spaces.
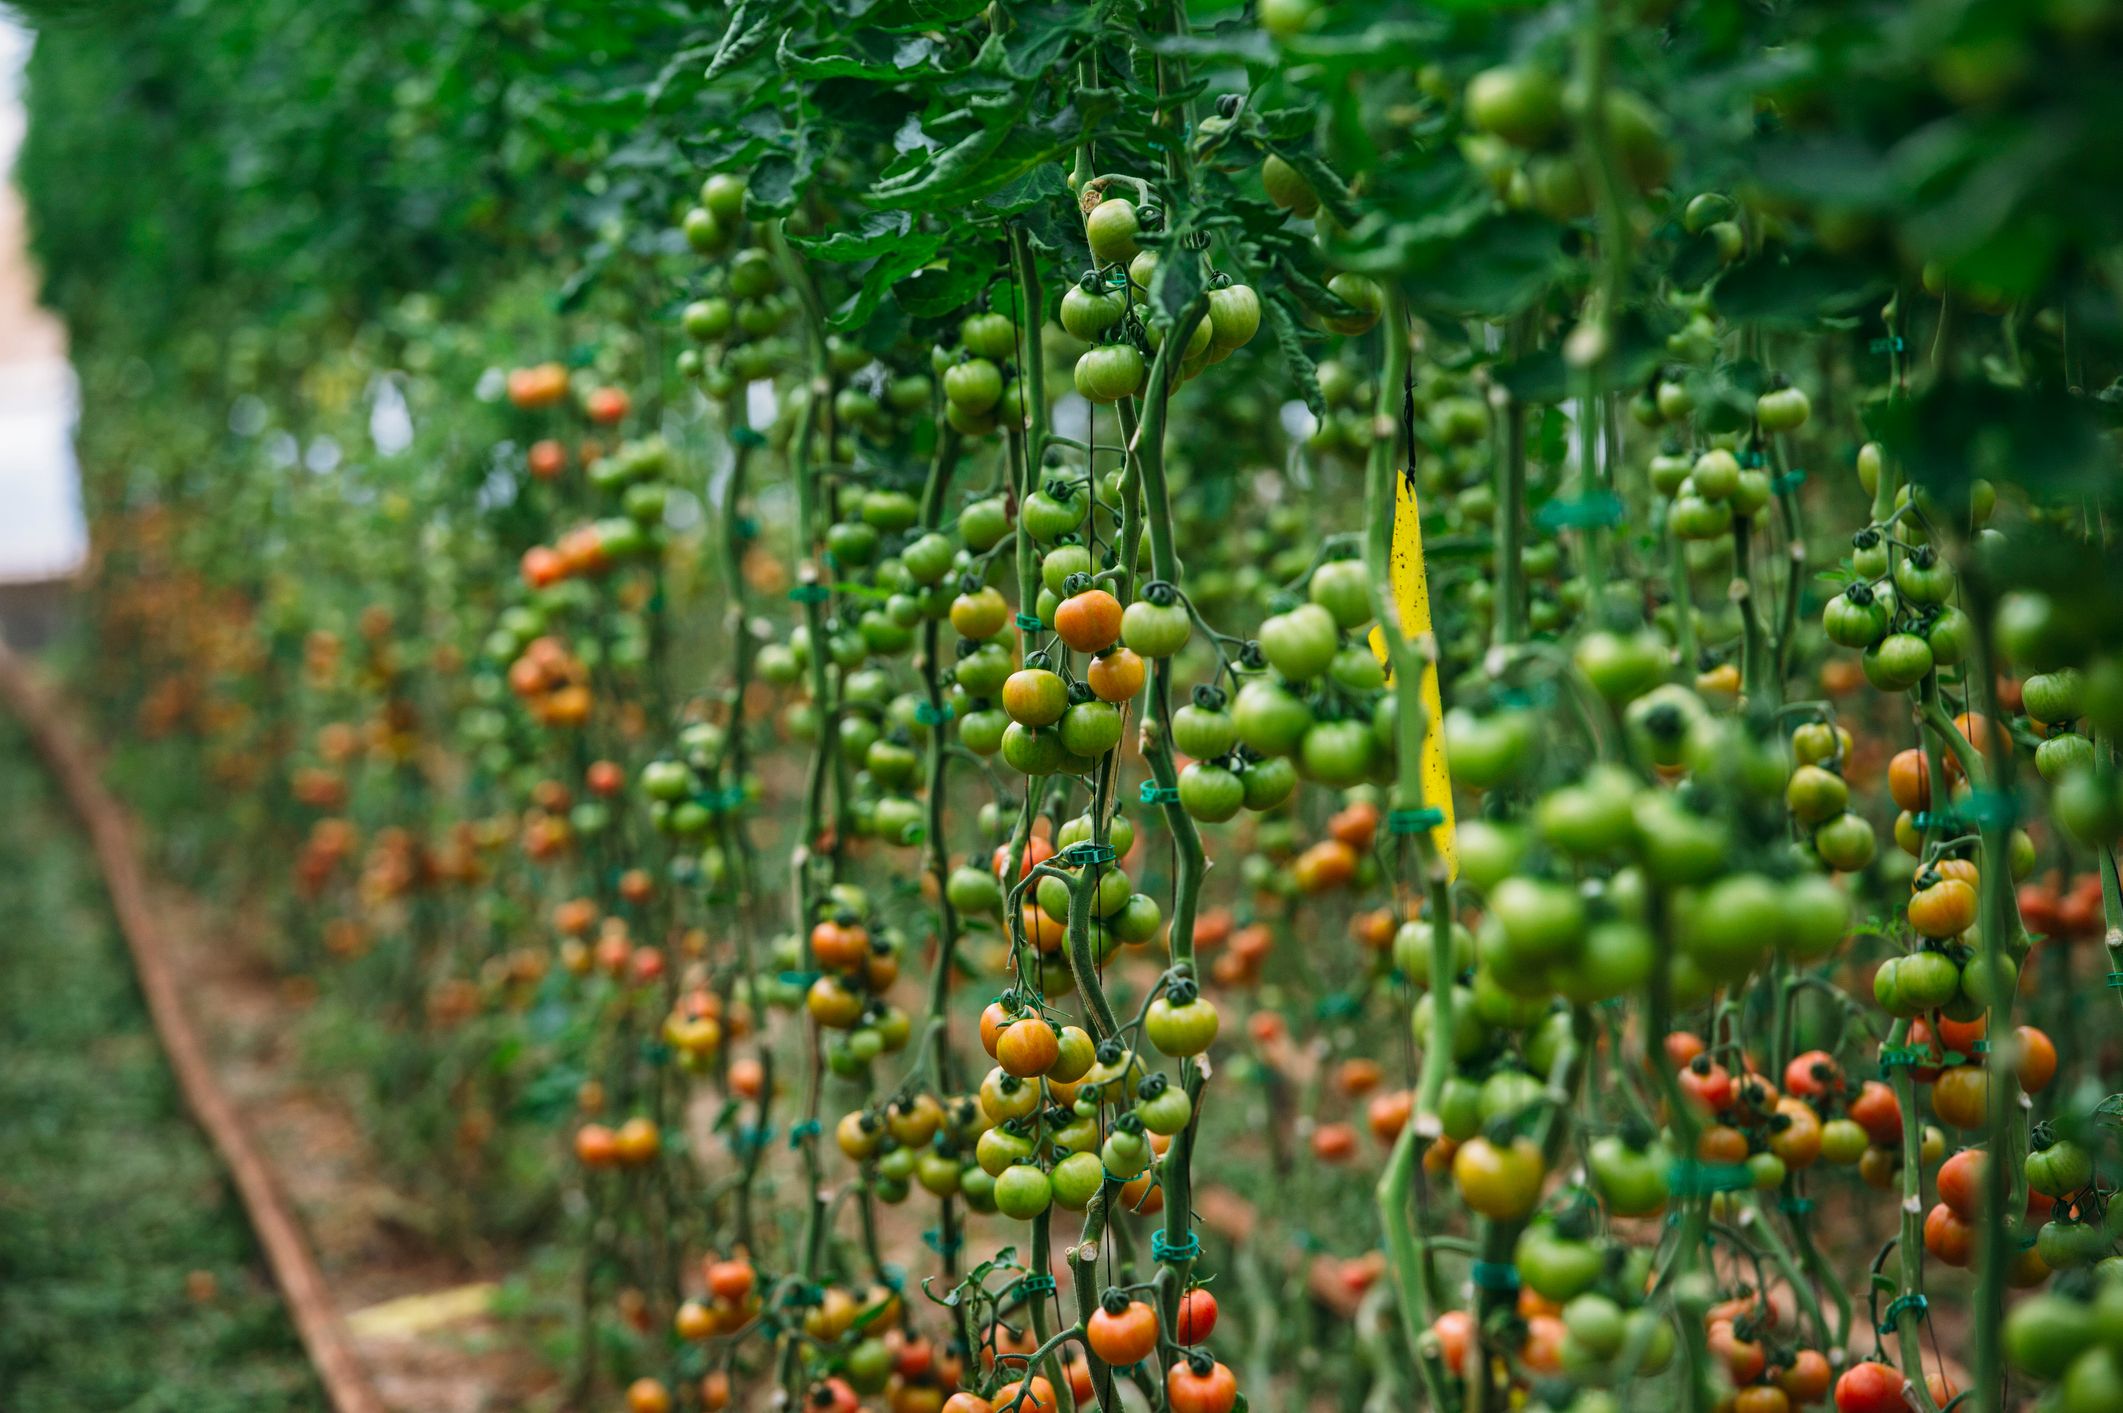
{"x":1961,"y":1183}
{"x":1807,"y":1377}
{"x":1089,"y":622}
{"x":648,"y":1396}
{"x":1115,"y":676}
{"x":2036,"y":1062}
{"x":1961,"y":1097}
{"x":1947,"y":1236}
{"x":1454,"y":1332}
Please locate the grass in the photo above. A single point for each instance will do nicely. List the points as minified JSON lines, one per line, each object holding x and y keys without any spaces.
{"x":129,"y":1280}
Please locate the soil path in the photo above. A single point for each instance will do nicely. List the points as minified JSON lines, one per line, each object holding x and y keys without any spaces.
{"x":390,"y":1327}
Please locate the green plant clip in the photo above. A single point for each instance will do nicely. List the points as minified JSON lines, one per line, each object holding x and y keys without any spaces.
{"x":1990,"y":807}
{"x":1413,"y":821}
{"x":748,"y":437}
{"x":1494,"y":1275}
{"x":939,"y":1243}
{"x":1788,"y":482}
{"x":1029,"y":622}
{"x":1339,"y":1005}
{"x":810,"y":593}
{"x":1913,"y":1301}
{"x":1035,"y":1285}
{"x":1153,"y":793}
{"x":1080,"y":855}
{"x":809,"y":1128}
{"x":1689,"y":1178}
{"x":1893,"y":343}
{"x":929,"y":715}
{"x":1168,"y":1251}
{"x":1750,"y":460}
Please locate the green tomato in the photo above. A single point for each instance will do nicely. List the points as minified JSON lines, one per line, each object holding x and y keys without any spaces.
{"x":1301,"y":643}
{"x":1897,"y":662}
{"x":1343,"y":588}
{"x":1268,"y":782}
{"x":1270,"y":718}
{"x":1155,"y":630}
{"x":1111,"y":229}
{"x":1109,"y":372}
{"x":1076,"y":1180}
{"x":1210,"y":793}
{"x":1181,"y":1025}
{"x":1337,"y":753}
{"x":1521,"y":104}
{"x":2045,"y":1333}
{"x":1022,"y":1192}
{"x":1630,"y":1180}
{"x":1554,"y":1266}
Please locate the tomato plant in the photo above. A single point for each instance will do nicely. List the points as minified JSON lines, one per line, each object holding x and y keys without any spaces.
{"x":1445,"y":657}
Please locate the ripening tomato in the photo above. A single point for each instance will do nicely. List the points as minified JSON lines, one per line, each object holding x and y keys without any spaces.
{"x":2036,"y":1062}
{"x":1909,"y":780}
{"x":1744,"y":1359}
{"x":1122,"y":1331}
{"x":1961,"y":1182}
{"x":1197,"y":1315}
{"x":607,"y":405}
{"x":1039,"y":1396}
{"x":1706,"y":1083}
{"x":1812,"y":1075}
{"x":1682,"y":1047}
{"x":648,"y":1396}
{"x":1387,"y":1114}
{"x":1502,"y":1182}
{"x":1028,"y":1048}
{"x":1116,"y":676}
{"x":1199,"y":1384}
{"x":1454,"y":1332}
{"x":1807,"y":1377}
{"x":1334,"y":1143}
{"x":1961,"y":1096}
{"x":1090,"y":621}
{"x":1761,"y":1398}
{"x":1798,"y":1140}
{"x":729,"y":1281}
{"x":1878,"y":1112}
{"x":1947,"y":1236}
{"x":1870,"y":1387}
{"x":1944,"y":909}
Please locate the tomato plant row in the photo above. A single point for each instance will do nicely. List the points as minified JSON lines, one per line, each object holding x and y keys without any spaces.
{"x":1535,"y":494}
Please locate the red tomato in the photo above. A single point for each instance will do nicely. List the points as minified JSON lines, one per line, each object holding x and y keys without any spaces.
{"x":1209,"y":1389}
{"x":1197,"y":1316}
{"x":1961,"y":1183}
{"x":1813,"y":1073}
{"x":1455,"y":1333}
{"x":1870,"y":1387}
{"x":1878,"y":1112}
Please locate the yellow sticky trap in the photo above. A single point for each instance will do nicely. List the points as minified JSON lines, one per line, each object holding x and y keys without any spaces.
{"x":417,"y":1314}
{"x":1411,"y":593}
